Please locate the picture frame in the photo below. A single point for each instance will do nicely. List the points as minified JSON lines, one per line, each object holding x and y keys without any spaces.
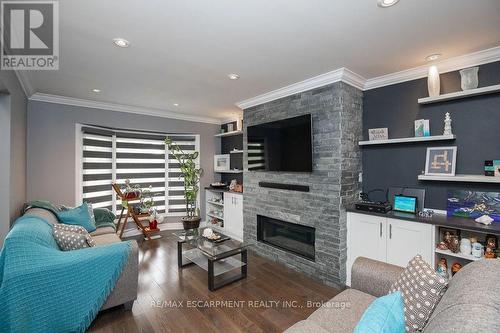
{"x":422,"y":128}
{"x":441,"y":161}
{"x":222,"y":162}
{"x":378,"y":134}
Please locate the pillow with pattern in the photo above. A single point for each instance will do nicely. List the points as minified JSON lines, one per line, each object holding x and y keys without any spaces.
{"x":72,"y":237}
{"x":422,"y":289}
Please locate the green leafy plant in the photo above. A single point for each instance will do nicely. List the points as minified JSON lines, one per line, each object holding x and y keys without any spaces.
{"x":191,"y":175}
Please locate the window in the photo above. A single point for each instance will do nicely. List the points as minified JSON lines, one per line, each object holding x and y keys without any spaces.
{"x":110,"y":155}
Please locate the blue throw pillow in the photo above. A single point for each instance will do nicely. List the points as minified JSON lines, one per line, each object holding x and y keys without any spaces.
{"x":384,"y":315}
{"x":78,"y":216}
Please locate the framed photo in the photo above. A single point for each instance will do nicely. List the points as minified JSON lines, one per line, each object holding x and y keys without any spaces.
{"x":441,"y":161}
{"x":221,"y":162}
{"x":422,"y":127}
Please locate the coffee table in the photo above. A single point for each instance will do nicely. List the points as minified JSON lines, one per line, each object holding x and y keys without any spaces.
{"x":215,"y":258}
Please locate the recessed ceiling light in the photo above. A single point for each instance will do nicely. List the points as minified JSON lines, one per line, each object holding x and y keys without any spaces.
{"x":96,"y":90}
{"x":386,"y":3}
{"x":176,"y":104}
{"x":433,"y":57}
{"x":121,"y":42}
{"x":233,"y":76}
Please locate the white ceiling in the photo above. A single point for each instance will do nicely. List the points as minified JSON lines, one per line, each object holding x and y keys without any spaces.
{"x":181,"y":51}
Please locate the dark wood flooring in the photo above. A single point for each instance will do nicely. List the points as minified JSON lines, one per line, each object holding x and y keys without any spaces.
{"x":270,"y":299}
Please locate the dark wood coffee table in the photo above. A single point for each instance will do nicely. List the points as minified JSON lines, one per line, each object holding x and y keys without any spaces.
{"x":218,"y":259}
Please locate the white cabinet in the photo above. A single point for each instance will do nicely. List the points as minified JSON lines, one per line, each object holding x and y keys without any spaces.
{"x":386,"y":239}
{"x":406,"y":239}
{"x":233,"y":214}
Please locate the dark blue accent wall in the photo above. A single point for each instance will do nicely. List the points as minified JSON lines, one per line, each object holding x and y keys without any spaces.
{"x":476,"y":123}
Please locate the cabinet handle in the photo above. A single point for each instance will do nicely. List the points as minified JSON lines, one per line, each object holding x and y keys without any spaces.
{"x":380,"y":229}
{"x":390,"y":231}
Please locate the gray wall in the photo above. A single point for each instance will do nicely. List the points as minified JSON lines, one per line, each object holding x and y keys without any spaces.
{"x":336,"y":112}
{"x":13,"y":143}
{"x":476,"y":123}
{"x":52,"y":145}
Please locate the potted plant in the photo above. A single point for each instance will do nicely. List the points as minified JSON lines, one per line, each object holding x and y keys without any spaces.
{"x":191,"y":176}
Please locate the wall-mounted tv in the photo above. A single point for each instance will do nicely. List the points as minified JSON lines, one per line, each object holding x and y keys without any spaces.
{"x":283,"y":145}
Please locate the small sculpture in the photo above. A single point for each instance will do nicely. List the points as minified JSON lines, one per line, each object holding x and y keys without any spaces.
{"x":442,"y":268}
{"x":454,"y":244}
{"x":442,"y":246}
{"x":447,"y":124}
{"x":455,"y":268}
{"x":491,"y":246}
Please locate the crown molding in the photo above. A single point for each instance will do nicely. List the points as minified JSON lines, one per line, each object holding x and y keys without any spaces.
{"x":120,"y":108}
{"x":345,"y":75}
{"x":337,"y":75}
{"x":444,"y":66}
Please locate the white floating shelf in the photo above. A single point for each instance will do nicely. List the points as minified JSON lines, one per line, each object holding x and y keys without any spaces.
{"x":236,"y":151}
{"x":462,"y":178}
{"x":460,"y":94}
{"x":407,"y":140}
{"x":457,"y":255}
{"x":228,"y":134}
{"x":230,"y":171}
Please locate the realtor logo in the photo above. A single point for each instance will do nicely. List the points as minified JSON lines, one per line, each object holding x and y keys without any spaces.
{"x":30,"y":35}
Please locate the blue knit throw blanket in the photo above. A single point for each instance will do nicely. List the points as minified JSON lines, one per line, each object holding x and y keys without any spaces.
{"x":44,"y":289}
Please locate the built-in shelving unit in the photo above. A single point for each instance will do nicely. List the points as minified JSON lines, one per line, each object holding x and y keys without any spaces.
{"x":408,"y":140}
{"x":230,"y":171}
{"x":462,"y":178}
{"x":457,"y":255}
{"x":221,"y":135}
{"x":460,"y":94}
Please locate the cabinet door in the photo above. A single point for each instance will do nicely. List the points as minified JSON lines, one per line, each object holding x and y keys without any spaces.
{"x":406,"y":239}
{"x":233,"y":215}
{"x":365,"y":238}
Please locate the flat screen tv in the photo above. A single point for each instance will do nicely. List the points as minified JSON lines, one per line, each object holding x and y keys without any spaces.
{"x":283,"y":145}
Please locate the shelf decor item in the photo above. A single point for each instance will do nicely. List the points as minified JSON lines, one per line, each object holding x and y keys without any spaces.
{"x":192,"y":175}
{"x":378,"y":134}
{"x":422,"y":128}
{"x":221,"y":162}
{"x":441,"y":161}
{"x":230,"y":127}
{"x":433,"y":82}
{"x":469,"y":78}
{"x":472,"y":204}
{"x":447,"y":124}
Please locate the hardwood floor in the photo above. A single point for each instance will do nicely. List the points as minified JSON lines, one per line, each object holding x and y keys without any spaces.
{"x":270,"y":299}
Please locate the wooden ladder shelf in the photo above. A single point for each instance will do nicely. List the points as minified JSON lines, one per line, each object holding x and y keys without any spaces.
{"x":131,"y":214}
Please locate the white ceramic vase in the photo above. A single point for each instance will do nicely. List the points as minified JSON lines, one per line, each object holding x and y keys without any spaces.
{"x":469,"y":78}
{"x":433,"y":83}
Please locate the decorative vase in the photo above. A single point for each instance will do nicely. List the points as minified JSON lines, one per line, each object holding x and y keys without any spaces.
{"x":433,"y":83}
{"x":469,"y":78}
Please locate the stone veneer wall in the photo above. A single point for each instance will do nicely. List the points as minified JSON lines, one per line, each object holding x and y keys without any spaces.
{"x":336,"y":115}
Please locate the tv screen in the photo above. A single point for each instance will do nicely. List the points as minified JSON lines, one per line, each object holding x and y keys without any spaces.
{"x":283,"y":145}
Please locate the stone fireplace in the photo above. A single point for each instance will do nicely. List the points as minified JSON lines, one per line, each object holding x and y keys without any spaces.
{"x":309,"y":231}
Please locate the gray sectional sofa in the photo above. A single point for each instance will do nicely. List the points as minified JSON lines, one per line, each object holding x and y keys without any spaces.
{"x":470,"y":304}
{"x":125,"y":291}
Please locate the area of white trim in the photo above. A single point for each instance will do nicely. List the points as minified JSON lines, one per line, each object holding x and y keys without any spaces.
{"x":444,"y":66}
{"x":462,"y":178}
{"x":345,"y":75}
{"x":25,"y":83}
{"x":121,"y":108}
{"x":341,"y":74}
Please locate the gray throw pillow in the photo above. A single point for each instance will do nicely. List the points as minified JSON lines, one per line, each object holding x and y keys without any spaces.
{"x":72,"y":237}
{"x":422,"y":289}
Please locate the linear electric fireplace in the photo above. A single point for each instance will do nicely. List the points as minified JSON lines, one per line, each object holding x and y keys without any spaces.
{"x":291,"y":237}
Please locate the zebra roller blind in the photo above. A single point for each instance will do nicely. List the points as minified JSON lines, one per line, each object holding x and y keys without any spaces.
{"x":116,"y":155}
